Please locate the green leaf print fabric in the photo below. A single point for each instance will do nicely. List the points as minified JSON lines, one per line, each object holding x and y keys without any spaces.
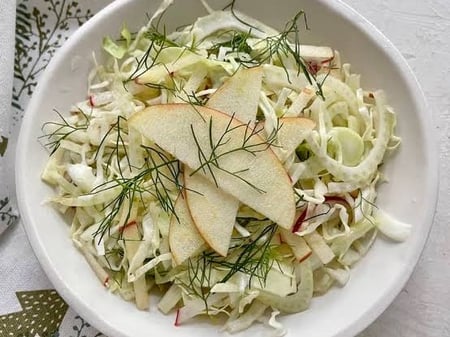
{"x":8,"y":213}
{"x":31,"y":32}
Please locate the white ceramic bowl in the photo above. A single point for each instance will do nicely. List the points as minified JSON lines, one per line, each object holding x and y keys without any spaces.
{"x":410,"y":195}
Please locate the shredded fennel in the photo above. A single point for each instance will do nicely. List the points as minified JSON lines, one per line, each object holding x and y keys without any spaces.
{"x":120,"y":189}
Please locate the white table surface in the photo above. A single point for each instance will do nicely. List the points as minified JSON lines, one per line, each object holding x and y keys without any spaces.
{"x":421,"y":31}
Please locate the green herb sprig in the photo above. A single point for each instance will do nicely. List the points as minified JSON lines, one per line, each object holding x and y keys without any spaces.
{"x":132,"y":189}
{"x":253,"y":256}
{"x":118,"y":147}
{"x":238,"y":43}
{"x":208,"y":163}
{"x":63,"y":130}
{"x":284,"y":44}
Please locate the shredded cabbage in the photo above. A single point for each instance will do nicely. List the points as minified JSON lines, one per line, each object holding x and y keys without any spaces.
{"x":120,"y":189}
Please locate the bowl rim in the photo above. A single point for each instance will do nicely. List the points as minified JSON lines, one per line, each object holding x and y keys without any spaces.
{"x":338,"y":7}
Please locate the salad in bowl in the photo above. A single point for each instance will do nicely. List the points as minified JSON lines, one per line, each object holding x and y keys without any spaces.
{"x":226,"y":166}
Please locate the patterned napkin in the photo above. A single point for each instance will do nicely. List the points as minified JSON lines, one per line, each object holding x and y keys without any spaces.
{"x":29,"y":307}
{"x":8,"y":213}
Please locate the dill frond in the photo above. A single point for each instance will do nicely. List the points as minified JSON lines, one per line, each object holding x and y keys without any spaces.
{"x":63,"y":130}
{"x":237,"y":43}
{"x":132,"y":190}
{"x":253,"y":256}
{"x":252,"y":143}
{"x":286,"y":44}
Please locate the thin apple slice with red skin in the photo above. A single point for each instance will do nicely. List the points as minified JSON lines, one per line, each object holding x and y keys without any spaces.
{"x":298,"y":223}
{"x":254,"y":176}
{"x":239,"y":95}
{"x":184,"y":239}
{"x":292,"y":132}
{"x":213,"y":211}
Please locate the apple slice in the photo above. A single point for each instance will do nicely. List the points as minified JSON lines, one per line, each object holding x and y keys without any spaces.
{"x":213,"y":210}
{"x":316,"y":53}
{"x":298,"y":245}
{"x":239,"y":95}
{"x":242,"y":164}
{"x":293,"y":131}
{"x":184,"y":239}
{"x":133,"y":239}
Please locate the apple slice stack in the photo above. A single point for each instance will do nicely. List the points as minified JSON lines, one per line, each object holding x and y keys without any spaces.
{"x":227,"y":160}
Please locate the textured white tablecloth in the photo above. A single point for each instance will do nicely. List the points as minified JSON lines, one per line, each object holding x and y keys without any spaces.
{"x":421,"y":30}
